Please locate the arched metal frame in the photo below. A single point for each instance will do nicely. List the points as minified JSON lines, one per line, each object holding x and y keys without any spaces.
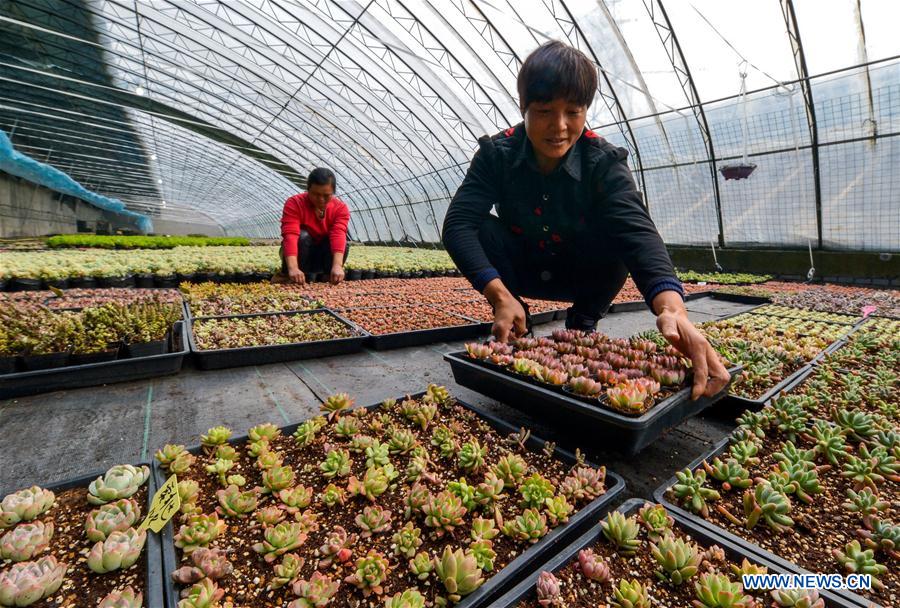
{"x":391,"y":94}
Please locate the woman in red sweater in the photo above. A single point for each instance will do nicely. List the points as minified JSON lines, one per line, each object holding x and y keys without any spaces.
{"x":314,"y":231}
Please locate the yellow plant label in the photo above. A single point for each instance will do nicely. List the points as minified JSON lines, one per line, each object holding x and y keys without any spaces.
{"x":166,"y":503}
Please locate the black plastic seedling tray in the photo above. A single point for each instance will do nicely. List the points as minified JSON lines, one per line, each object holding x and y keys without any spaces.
{"x":754,"y":551}
{"x":92,"y":374}
{"x":276,"y":353}
{"x":472,"y":329}
{"x":498,"y":583}
{"x":733,"y":405}
{"x":153,"y":589}
{"x":606,"y":427}
{"x":735,"y":552}
{"x":740,"y":298}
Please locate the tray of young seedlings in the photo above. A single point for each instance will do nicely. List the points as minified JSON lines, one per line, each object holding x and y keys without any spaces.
{"x":641,"y":556}
{"x":401,"y":326}
{"x":76,"y":544}
{"x":257,"y":339}
{"x":789,"y":312}
{"x":421,"y":499}
{"x":742,"y":295}
{"x":808,"y":492}
{"x":622,"y":392}
{"x":94,"y":346}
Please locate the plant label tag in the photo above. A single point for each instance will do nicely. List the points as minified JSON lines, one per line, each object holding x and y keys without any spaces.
{"x":867,"y":310}
{"x":166,"y":503}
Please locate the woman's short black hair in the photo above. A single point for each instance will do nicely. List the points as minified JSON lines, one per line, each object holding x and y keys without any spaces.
{"x":555,"y":70}
{"x":321,"y":176}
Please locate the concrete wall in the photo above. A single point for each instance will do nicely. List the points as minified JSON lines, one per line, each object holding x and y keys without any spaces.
{"x":27,"y":209}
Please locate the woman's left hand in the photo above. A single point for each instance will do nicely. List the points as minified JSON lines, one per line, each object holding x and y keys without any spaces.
{"x":710,"y":375}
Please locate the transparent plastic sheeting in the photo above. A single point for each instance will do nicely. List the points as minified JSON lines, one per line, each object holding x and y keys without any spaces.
{"x":392,"y":95}
{"x":20,"y":165}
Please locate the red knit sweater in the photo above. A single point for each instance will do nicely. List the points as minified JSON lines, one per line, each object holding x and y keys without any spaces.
{"x":299,"y":213}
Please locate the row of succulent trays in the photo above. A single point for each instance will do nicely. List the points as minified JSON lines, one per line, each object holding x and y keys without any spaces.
{"x":629,"y":376}
{"x":268,"y":330}
{"x":814,"y":477}
{"x":34,"y":337}
{"x":722,"y":278}
{"x":77,"y":547}
{"x":416,"y":502}
{"x":788,"y":327}
{"x":794,"y":312}
{"x":643,"y":558}
{"x":59,"y":299}
{"x":845,"y":299}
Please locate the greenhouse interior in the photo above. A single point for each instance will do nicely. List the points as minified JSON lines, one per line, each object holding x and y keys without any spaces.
{"x":431,"y":303}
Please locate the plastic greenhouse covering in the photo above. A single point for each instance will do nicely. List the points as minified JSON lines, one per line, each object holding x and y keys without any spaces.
{"x":208,"y":110}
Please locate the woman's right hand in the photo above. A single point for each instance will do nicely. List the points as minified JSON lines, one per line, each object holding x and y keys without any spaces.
{"x":509,"y":316}
{"x":296,"y":275}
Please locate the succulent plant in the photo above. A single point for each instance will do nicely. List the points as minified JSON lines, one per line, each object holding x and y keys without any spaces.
{"x":535,"y":490}
{"x":182,"y":463}
{"x":126,"y":598}
{"x":628,"y":397}
{"x":27,"y":582}
{"x":203,"y":594}
{"x":444,"y":440}
{"x":484,"y":553}
{"x":226,"y":452}
{"x":374,"y":483}
{"x":258,"y":448}
{"x":797,"y":598}
{"x":410,"y":598}
{"x":421,"y":565}
{"x":656,"y":520}
{"x":188,"y":492}
{"x":489,"y":491}
{"x":462,"y":490}
{"x":859,"y":561}
{"x":511,"y":469}
{"x":371,"y":572}
{"x":401,"y":441}
{"x":444,"y":512}
{"x":306,"y":431}
{"x":592,"y":566}
{"x":168,"y":453}
{"x":767,"y":503}
{"x":296,"y":498}
{"x":547,"y":590}
{"x":745,"y":452}
{"x":558,"y":509}
{"x":220,"y":469}
{"x":584,"y":484}
{"x":216,"y":436}
{"x":120,"y":481}
{"x":791,"y":454}
{"x":730,"y":473}
{"x":803,"y":479}
{"x":691,"y":490}
{"x":234,"y":503}
{"x":199,"y":531}
{"x":630,"y":594}
{"x":435,"y":393}
{"x":269,"y":516}
{"x":332,"y":495}
{"x":406,"y":540}
{"x":26,"y":540}
{"x":287,"y":571}
{"x":716,"y":591}
{"x":678,"y":560}
{"x":263,"y":432}
{"x":886,"y":463}
{"x":417,"y":497}
{"x":373,"y":520}
{"x":208,"y":563}
{"x":530,"y":525}
{"x":268,"y":459}
{"x":862,"y":471}
{"x":335,"y":404}
{"x":745,"y":567}
{"x":280,"y":539}
{"x":829,"y":440}
{"x":236,"y":480}
{"x":621,"y":531}
{"x":420,"y":414}
{"x":459,"y":572}
{"x":865,"y":502}
{"x":337,"y":547}
{"x":882,"y":535}
{"x":584,"y":386}
{"x":121,"y":549}
{"x":471,"y":456}
{"x":277,"y":478}
{"x":483,"y":529}
{"x":317,"y":592}
{"x":377,"y":455}
{"x":119,"y":515}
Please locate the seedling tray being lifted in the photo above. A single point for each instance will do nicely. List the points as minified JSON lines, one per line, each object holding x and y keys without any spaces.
{"x":92,"y":374}
{"x":754,"y":551}
{"x":502,"y":580}
{"x":606,"y":427}
{"x":735,"y":553}
{"x":152,"y":589}
{"x":276,"y":353}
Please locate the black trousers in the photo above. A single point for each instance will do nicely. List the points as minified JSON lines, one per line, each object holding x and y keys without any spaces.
{"x":312,"y":256}
{"x":590,"y":278}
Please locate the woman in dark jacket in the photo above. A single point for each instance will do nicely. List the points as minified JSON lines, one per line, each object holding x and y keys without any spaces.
{"x":570,"y":223}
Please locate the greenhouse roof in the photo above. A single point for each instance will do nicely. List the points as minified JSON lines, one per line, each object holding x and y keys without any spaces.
{"x":208,"y":111}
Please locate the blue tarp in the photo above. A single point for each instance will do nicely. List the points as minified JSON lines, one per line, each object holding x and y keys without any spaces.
{"x":20,"y":165}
